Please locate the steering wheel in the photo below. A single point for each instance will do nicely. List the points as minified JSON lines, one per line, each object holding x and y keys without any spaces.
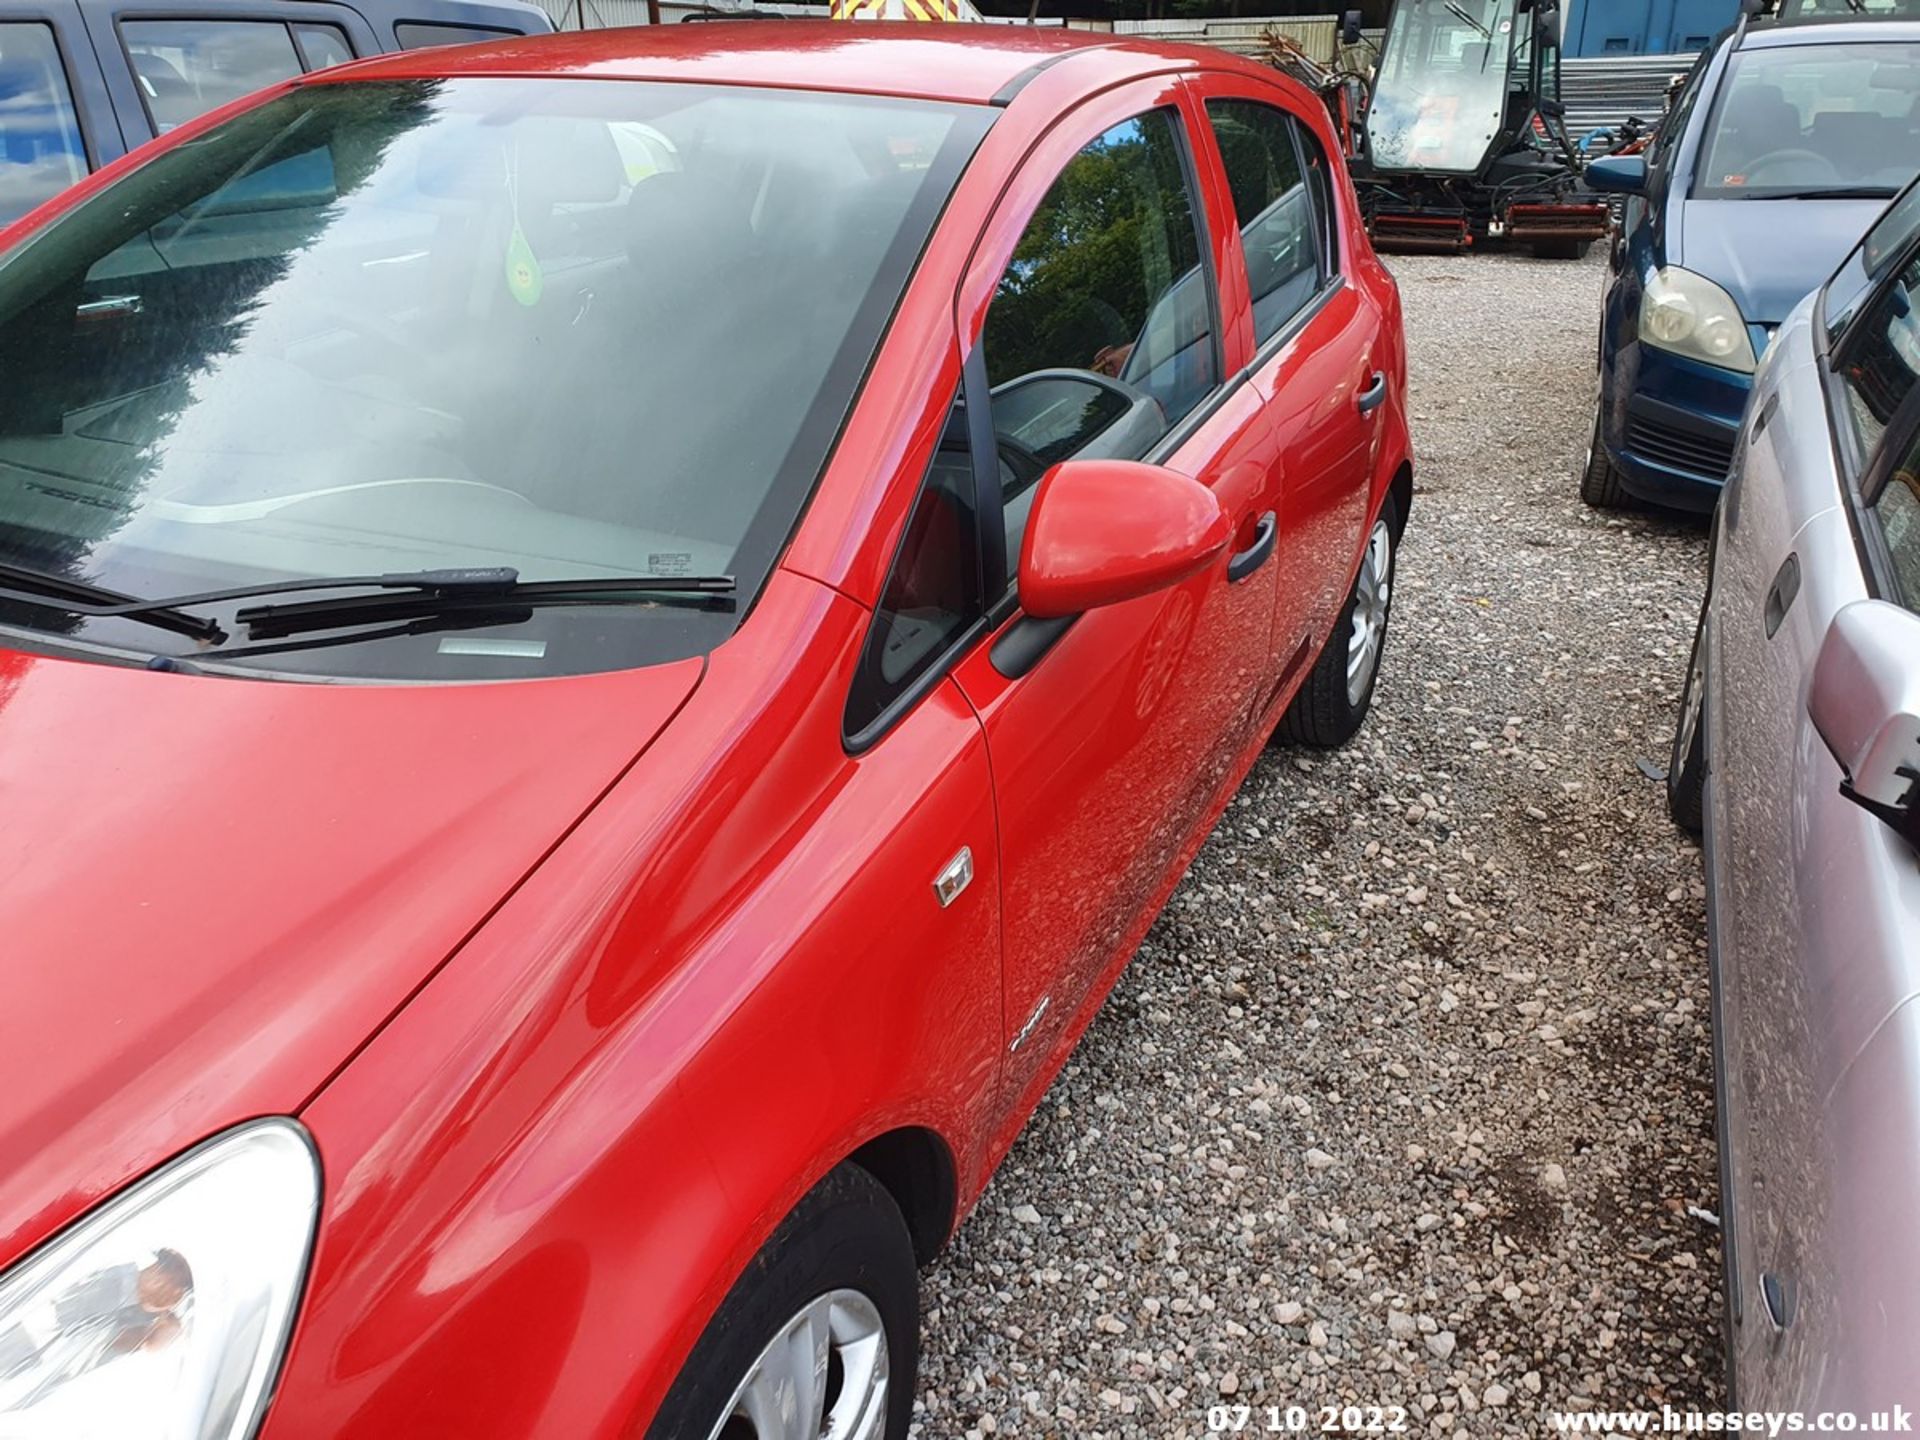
{"x":1811,"y":159}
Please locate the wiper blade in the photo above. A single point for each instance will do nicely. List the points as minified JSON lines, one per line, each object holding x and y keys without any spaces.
{"x":439,"y":592}
{"x":1457,"y":10}
{"x":1831,"y":192}
{"x":77,"y":597}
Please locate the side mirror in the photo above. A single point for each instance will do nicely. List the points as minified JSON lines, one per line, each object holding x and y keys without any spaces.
{"x":1617,"y":175}
{"x":1104,"y":531}
{"x":1350,"y":28}
{"x":1546,"y":21}
{"x":1865,"y":703}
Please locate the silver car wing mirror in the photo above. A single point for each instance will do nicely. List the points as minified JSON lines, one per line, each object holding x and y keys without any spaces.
{"x":1865,"y":702}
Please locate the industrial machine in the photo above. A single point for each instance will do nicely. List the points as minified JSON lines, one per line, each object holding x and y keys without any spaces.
{"x":1465,"y":137}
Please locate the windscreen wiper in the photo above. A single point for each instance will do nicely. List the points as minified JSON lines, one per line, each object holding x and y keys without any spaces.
{"x":1469,"y":19}
{"x":404,"y":594}
{"x":77,"y":597}
{"x":441,"y":592}
{"x":1831,"y":192}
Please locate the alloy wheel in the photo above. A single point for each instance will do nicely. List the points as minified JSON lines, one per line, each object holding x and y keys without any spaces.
{"x":823,"y":1376}
{"x":1372,"y":594}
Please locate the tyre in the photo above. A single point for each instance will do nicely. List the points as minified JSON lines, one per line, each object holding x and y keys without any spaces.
{"x":1334,"y":698}
{"x":824,"y":1327}
{"x":1687,"y":769}
{"x":1600,"y":483}
{"x":1561,"y":249}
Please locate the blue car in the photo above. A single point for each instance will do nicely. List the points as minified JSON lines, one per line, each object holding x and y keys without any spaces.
{"x":1786,"y":142}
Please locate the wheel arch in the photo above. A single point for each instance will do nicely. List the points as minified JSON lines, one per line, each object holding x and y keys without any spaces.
{"x":915,"y":1166}
{"x":1400,"y":491}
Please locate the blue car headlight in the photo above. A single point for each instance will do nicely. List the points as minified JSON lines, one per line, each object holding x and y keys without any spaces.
{"x":164,"y":1313}
{"x":1690,"y":315}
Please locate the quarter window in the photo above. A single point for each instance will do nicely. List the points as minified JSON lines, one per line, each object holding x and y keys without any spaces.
{"x":1275,"y":211}
{"x":323,"y":45}
{"x":1100,"y":337}
{"x":424,"y":35}
{"x":935,"y":590}
{"x":187,"y":67}
{"x":41,"y":152}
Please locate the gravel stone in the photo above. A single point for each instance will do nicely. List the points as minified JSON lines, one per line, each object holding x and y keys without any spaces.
{"x":1462,"y":953}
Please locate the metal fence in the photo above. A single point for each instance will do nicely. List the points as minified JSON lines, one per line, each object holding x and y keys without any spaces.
{"x":1600,"y":91}
{"x":1316,"y":34}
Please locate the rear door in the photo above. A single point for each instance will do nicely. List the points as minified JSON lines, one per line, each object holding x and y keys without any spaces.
{"x":56,"y":122}
{"x":1315,"y":342}
{"x":1091,"y":313}
{"x":166,"y":63}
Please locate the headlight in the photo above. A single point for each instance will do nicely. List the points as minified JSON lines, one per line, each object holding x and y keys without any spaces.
{"x":163,"y":1314}
{"x":1690,"y":315}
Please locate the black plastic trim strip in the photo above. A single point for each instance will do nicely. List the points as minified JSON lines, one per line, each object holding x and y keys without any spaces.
{"x":1025,"y":642}
{"x":1007,"y":93}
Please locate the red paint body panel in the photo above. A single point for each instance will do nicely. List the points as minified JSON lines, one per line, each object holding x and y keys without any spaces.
{"x":596,"y":977}
{"x":213,"y":891}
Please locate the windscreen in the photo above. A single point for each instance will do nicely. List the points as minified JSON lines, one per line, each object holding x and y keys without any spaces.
{"x":1442,"y":87}
{"x":1809,"y":120}
{"x":575,"y":329}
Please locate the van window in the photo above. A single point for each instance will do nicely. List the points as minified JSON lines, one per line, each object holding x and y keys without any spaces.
{"x":41,"y":152}
{"x":187,"y":67}
{"x":323,"y":45}
{"x":424,"y":35}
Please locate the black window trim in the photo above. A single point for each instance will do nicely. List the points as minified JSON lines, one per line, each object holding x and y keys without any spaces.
{"x":1323,"y":229}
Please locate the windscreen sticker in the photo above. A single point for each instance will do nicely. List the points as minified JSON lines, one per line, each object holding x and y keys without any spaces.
{"x":670,"y":562}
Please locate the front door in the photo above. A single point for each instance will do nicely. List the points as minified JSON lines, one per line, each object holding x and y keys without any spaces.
{"x":1111,"y":738}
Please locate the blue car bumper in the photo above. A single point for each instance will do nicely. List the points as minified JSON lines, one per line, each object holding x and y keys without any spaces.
{"x":1669,"y":425}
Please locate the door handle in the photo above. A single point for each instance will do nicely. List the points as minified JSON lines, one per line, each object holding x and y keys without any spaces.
{"x":1375,"y":395}
{"x":1244,"y":562}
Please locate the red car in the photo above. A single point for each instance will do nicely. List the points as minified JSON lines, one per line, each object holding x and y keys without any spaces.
{"x":609,"y":643}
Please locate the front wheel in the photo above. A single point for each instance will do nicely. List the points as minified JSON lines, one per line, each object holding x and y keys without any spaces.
{"x":1687,"y":770}
{"x":819,"y":1339}
{"x":1600,"y":483}
{"x":1334,"y":698}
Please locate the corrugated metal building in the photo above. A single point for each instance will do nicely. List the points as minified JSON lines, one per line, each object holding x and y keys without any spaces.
{"x":1645,"y":27}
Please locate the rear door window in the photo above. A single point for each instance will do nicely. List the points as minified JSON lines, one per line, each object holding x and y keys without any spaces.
{"x":187,"y":67}
{"x":41,"y":149}
{"x":424,"y":34}
{"x":1277,"y":214}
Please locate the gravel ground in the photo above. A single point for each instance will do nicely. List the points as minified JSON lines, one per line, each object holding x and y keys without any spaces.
{"x":1408,"y":1094}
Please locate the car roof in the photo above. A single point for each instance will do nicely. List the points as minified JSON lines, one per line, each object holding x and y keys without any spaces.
{"x":971,"y":63}
{"x":1828,"y":30}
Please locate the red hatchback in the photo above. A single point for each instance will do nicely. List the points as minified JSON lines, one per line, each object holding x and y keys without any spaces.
{"x":609,"y":642}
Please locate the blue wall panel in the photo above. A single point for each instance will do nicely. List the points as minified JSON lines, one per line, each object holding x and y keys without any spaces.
{"x":1645,"y":27}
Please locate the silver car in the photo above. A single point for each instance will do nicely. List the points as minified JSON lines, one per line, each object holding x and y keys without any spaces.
{"x":1798,"y":745}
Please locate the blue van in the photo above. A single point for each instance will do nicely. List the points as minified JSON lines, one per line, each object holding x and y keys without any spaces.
{"x":84,"y":81}
{"x":1786,"y":142}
